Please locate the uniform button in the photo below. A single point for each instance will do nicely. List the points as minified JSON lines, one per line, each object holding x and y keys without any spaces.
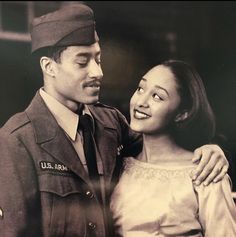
{"x":1,"y":213}
{"x":92,"y":225}
{"x":89,"y":194}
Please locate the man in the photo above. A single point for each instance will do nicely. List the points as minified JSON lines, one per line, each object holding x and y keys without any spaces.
{"x":48,"y":185}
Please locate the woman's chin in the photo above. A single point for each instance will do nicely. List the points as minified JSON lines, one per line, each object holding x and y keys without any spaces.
{"x":136,"y":128}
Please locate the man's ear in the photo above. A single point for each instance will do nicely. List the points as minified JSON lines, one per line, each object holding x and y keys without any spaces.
{"x":181,"y":116}
{"x":47,"y":66}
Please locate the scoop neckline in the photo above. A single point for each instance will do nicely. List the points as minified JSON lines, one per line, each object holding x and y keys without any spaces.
{"x":166,"y":166}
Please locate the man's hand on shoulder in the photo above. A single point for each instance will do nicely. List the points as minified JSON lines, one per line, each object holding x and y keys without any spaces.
{"x":212,"y":166}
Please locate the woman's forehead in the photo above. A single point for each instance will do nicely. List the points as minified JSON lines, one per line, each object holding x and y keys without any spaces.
{"x":161,"y":76}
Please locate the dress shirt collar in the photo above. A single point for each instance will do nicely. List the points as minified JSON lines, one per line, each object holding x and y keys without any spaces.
{"x":67,"y":119}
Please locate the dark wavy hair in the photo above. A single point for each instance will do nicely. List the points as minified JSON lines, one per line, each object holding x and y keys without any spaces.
{"x":199,"y":127}
{"x":50,"y":52}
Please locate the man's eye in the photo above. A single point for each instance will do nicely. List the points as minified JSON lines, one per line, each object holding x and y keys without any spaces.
{"x":83,"y":64}
{"x":82,"y":61}
{"x":140,"y":89}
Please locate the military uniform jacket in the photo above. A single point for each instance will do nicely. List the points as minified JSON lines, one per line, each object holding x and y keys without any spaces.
{"x":44,"y":189}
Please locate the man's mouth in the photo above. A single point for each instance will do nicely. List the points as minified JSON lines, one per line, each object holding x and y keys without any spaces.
{"x":94,"y":84}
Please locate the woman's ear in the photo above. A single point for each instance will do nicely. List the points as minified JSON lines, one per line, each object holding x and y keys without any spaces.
{"x":181,"y":116}
{"x":48,"y":66}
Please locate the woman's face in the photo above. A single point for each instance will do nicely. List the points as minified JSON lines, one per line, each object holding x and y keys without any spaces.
{"x":155,"y":103}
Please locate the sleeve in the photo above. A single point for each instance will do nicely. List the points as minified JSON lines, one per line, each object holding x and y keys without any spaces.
{"x":217,"y":211}
{"x":19,"y":199}
{"x":131,"y":141}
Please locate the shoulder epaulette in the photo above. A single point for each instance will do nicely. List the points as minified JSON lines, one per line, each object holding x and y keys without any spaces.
{"x":99,"y":104}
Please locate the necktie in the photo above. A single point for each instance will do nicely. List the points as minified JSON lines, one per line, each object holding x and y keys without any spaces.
{"x":85,"y":125}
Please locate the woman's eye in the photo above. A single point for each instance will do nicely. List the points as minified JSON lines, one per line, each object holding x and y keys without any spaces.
{"x":98,"y":61}
{"x":140,"y":89}
{"x":156,"y":97}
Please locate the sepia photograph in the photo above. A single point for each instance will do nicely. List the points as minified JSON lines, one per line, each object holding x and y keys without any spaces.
{"x":117,"y":118}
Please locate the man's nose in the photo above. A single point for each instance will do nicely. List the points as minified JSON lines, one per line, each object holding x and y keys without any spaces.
{"x":95,"y":70}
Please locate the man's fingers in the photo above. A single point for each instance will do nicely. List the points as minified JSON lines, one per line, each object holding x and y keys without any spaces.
{"x":221,"y":174}
{"x":212,"y":166}
{"x":203,"y":162}
{"x":197,"y":155}
{"x":204,"y":174}
{"x":214,"y":173}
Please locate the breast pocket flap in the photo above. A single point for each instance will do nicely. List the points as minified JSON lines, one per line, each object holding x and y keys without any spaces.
{"x":60,"y":185}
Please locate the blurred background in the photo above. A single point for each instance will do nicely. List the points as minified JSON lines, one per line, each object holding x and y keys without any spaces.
{"x":134,"y":36}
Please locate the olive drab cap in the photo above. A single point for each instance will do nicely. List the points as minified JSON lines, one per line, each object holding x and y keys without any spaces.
{"x":70,"y":25}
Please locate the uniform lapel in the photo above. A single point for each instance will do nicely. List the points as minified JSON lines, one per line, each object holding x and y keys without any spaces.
{"x":52,"y":139}
{"x":106,"y":142}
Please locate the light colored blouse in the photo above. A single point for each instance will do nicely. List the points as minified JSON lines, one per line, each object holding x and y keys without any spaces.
{"x":157,"y":200}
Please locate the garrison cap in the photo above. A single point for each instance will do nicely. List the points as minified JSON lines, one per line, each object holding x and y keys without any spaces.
{"x":70,"y":25}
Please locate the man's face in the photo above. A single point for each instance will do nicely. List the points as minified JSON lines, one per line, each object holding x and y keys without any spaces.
{"x":78,"y":76}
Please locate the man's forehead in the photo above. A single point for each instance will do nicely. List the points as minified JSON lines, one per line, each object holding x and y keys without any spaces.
{"x":78,"y":50}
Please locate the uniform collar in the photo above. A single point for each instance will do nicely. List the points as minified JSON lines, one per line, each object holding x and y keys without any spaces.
{"x":67,"y":119}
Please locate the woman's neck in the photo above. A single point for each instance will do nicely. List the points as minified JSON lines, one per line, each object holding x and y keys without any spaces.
{"x":162,"y":148}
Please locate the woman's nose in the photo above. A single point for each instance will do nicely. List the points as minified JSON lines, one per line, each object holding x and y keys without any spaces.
{"x":142,"y":100}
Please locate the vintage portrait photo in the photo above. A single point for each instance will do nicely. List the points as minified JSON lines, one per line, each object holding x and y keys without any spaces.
{"x":117,"y":118}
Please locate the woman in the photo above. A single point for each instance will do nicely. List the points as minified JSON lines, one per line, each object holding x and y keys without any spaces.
{"x":155,"y":195}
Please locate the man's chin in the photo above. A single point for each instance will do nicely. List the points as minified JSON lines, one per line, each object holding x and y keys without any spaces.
{"x":91,"y":101}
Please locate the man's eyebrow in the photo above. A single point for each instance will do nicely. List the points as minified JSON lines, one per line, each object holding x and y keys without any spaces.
{"x":85,"y":54}
{"x":82,"y":54}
